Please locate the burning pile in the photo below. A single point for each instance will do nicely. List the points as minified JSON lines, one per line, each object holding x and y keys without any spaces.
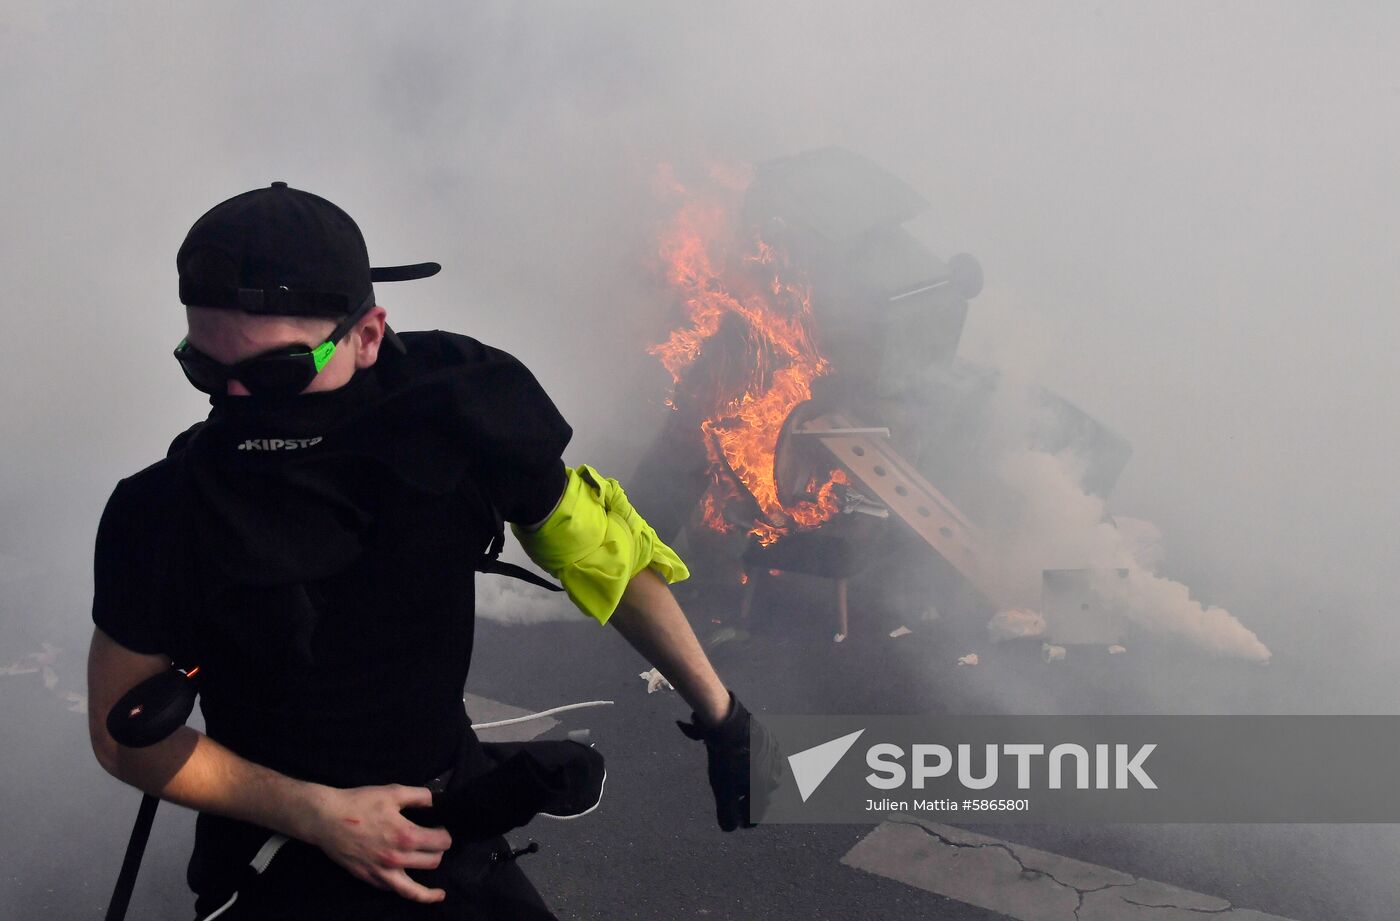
{"x":741,"y":295}
{"x":799,"y":276}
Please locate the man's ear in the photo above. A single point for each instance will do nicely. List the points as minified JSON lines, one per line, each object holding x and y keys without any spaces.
{"x":369,"y":336}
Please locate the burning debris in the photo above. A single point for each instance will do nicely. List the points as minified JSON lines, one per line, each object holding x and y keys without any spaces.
{"x":824,"y":424}
{"x":743,"y":360}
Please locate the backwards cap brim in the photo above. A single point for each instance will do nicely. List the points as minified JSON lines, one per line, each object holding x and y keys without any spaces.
{"x":404,"y":272}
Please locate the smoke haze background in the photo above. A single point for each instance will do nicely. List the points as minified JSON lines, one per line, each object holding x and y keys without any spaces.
{"x":1185,"y":214}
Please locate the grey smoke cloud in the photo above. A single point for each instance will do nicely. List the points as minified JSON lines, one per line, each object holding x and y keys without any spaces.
{"x":505,"y":600}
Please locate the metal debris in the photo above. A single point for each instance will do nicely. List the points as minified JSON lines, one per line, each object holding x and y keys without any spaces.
{"x":859,"y":503}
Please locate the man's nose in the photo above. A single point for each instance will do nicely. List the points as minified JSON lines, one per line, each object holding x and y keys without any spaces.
{"x":236,"y":389}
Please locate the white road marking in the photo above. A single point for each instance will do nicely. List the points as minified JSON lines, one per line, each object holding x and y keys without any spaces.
{"x":1025,"y":883}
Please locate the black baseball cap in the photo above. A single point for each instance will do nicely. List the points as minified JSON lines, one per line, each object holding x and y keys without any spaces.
{"x":282,"y":251}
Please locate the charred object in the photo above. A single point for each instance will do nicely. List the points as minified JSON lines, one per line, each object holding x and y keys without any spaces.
{"x":891,"y":439}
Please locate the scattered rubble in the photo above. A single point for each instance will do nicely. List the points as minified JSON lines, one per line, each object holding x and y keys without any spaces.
{"x":655,"y":681}
{"x":45,"y":657}
{"x":42,"y":663}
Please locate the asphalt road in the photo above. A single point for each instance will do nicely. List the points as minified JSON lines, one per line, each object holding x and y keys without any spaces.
{"x":652,"y":850}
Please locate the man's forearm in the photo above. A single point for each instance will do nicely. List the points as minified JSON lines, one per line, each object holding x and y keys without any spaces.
{"x":193,"y":770}
{"x":651,"y":620}
{"x":362,"y":829}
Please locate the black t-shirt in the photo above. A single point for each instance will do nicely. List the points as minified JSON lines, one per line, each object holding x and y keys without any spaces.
{"x":314,"y":559}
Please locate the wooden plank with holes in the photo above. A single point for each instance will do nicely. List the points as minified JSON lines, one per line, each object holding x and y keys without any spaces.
{"x":883,"y":472}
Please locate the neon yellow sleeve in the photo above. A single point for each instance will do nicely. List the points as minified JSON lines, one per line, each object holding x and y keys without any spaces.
{"x":595,"y":542}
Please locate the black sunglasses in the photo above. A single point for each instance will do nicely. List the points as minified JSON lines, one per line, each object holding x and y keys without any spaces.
{"x":281,"y":372}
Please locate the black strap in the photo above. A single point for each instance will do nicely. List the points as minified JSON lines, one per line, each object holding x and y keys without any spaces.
{"x":506,"y":855}
{"x":266,"y":300}
{"x":131,"y":863}
{"x":487,"y":564}
{"x":490,"y":562}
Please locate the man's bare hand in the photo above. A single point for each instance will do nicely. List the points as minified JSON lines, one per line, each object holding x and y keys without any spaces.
{"x":363,"y":829}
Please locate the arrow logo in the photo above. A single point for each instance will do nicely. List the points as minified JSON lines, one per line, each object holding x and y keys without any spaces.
{"x":810,"y":766}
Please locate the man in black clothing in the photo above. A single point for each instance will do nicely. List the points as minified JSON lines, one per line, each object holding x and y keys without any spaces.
{"x":311,"y":546}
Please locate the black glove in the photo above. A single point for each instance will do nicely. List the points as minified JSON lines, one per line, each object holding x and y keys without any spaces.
{"x":738,"y":748}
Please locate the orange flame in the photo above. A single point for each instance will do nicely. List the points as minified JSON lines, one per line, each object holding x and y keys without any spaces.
{"x":719,"y":275}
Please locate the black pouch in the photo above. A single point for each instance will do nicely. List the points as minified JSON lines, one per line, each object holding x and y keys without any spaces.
{"x":504,"y":785}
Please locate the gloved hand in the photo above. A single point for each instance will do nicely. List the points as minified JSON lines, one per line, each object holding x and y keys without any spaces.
{"x":740,"y":748}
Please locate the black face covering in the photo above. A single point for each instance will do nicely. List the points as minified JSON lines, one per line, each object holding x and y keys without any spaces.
{"x":290,"y":490}
{"x":286,"y":490}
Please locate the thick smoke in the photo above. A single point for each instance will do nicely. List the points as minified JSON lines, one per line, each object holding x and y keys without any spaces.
{"x":508,"y":601}
{"x":1062,"y":527}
